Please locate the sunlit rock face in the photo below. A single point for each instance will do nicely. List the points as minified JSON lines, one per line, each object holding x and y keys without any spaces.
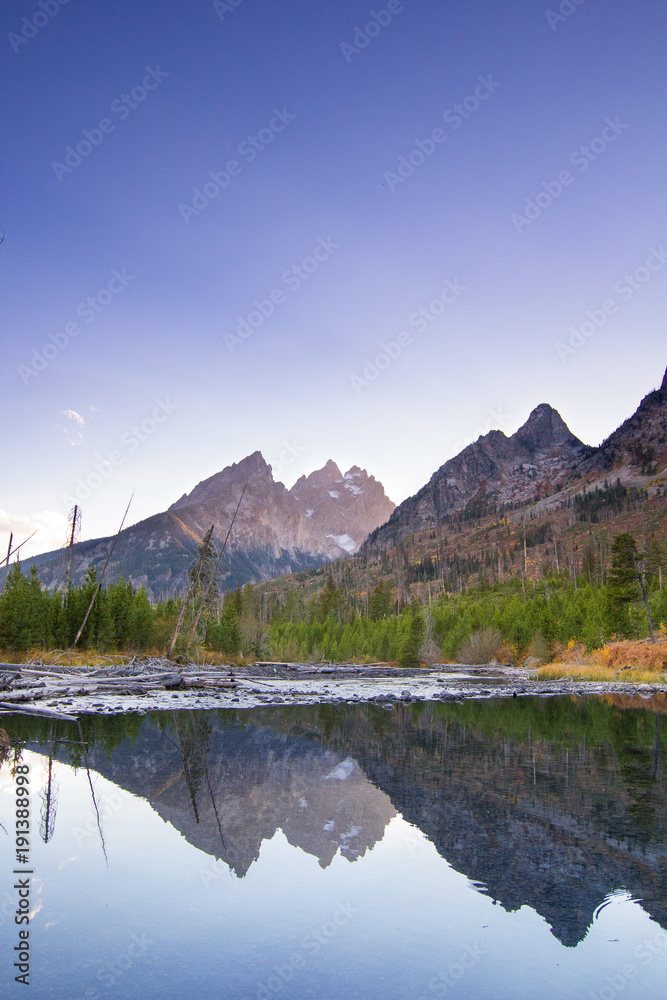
{"x":325,"y":516}
{"x":345,"y":507}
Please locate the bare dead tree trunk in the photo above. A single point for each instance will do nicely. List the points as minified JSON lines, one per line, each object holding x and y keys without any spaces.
{"x":191,"y":590}
{"x":99,"y":582}
{"x":214,"y":575}
{"x":75,"y":516}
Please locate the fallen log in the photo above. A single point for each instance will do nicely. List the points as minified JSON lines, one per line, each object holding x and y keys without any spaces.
{"x":46,"y":713}
{"x":39,"y":672}
{"x":197,"y":682}
{"x":19,"y":696}
{"x":286,"y":665}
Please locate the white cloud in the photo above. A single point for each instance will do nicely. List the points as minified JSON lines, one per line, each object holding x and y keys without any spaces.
{"x":75,"y":437}
{"x":73,"y":415}
{"x":50,"y":528}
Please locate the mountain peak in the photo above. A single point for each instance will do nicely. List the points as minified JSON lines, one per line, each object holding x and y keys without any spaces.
{"x":326,"y":476}
{"x":214,"y":486}
{"x":544,"y":429}
{"x":251,"y":465}
{"x":490,"y":474}
{"x":663,"y":387}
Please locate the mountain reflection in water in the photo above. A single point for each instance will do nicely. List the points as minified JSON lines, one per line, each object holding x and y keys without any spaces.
{"x":557,"y":805}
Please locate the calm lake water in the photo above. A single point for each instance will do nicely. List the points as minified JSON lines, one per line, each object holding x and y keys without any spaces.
{"x":492,"y":849}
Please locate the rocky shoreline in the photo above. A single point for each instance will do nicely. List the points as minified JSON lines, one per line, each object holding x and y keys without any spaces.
{"x":84,"y":693}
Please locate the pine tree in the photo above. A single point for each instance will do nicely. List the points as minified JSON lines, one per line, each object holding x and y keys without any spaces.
{"x":121,"y":597}
{"x":330,"y":598}
{"x":13,"y":610}
{"x":38,"y":610}
{"x":622,"y":583}
{"x":24,"y":611}
{"x":224,"y":634}
{"x":656,"y":562}
{"x":57,"y":622}
{"x":140,"y":629}
{"x":412,"y":638}
{"x":380,"y":604}
{"x":78,"y":605}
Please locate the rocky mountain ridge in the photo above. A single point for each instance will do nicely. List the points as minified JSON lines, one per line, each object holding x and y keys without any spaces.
{"x":540,"y":460}
{"x":325,"y":516}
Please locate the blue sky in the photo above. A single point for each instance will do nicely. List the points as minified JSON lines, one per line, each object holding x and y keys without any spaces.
{"x":219,"y":218}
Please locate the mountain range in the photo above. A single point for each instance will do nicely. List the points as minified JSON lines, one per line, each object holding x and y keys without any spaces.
{"x":324,"y":516}
{"x":329,"y":515}
{"x":534,"y":466}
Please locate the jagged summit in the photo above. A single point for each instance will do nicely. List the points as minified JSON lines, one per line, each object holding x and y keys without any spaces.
{"x":540,"y":459}
{"x":544,"y":429}
{"x":324,"y":516}
{"x":327,"y":475}
{"x":346,"y":503}
{"x":237,"y":473}
{"x":494,"y":471}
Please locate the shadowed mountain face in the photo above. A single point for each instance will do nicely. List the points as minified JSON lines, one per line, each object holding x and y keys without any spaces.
{"x":541,"y":459}
{"x":550,"y":804}
{"x":324,"y":516}
{"x":496,"y":470}
{"x":639,"y":446}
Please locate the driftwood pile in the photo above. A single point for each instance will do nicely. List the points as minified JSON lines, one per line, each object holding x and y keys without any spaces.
{"x":36,"y":680}
{"x":362,"y":669}
{"x":60,"y":681}
{"x":25,"y":682}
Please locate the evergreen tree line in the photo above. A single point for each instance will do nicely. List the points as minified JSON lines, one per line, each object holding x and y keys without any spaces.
{"x":121,"y":616}
{"x":338,"y":624}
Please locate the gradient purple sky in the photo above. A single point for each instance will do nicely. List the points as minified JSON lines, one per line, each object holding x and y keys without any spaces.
{"x":332,"y":125}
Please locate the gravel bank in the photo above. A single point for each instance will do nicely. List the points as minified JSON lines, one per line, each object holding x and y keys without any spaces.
{"x":266,"y":686}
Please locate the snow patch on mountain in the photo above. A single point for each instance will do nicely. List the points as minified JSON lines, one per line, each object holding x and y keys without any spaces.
{"x":345,"y":542}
